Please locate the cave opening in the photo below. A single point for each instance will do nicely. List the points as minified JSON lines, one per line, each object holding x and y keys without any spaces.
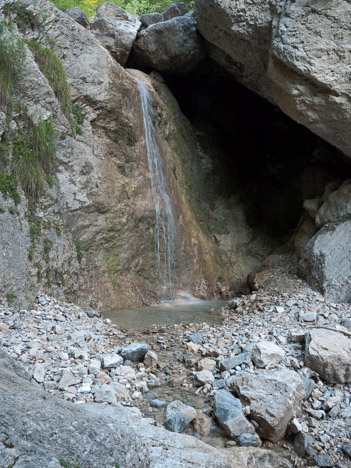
{"x":269,"y":160}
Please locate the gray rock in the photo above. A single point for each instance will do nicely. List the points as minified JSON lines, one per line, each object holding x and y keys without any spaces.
{"x":39,"y":373}
{"x":111,"y":10}
{"x":274,"y":398}
{"x":325,"y":261}
{"x":336,"y":207}
{"x":29,"y":419}
{"x":135,"y":352}
{"x":174,"y":10}
{"x":232,"y":362}
{"x":307,"y":316}
{"x":67,"y":379}
{"x":309,"y":386}
{"x":150,"y":18}
{"x":347,"y":450}
{"x":159,"y":404}
{"x":106,"y":394}
{"x":79,"y":16}
{"x":92,"y":313}
{"x":270,"y":48}
{"x":323,"y":460}
{"x":204,"y":377}
{"x":328,"y":353}
{"x":266,"y":353}
{"x":248,"y":440}
{"x":346,"y":323}
{"x":111,"y":360}
{"x":196,"y":338}
{"x":229,"y":414}
{"x":171,"y":46}
{"x":303,"y":444}
{"x":117,"y":35}
{"x":179,"y":416}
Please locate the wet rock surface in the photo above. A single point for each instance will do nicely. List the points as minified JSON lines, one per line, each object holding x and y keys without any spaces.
{"x":64,"y":350}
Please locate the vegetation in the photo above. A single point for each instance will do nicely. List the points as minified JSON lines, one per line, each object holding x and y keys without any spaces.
{"x":67,"y":464}
{"x":34,"y":151}
{"x":24,"y":18}
{"x":8,"y":187}
{"x":136,"y":7}
{"x":51,"y":66}
{"x":12,"y":55}
{"x":80,"y":252}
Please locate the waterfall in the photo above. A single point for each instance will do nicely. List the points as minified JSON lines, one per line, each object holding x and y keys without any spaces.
{"x":164,"y":222}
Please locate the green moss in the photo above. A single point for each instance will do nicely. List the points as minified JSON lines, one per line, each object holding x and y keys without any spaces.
{"x":51,"y":66}
{"x":47,"y":247}
{"x":35,"y":229}
{"x":10,"y":298}
{"x":67,"y":464}
{"x":2,"y":209}
{"x":50,"y":181}
{"x":78,"y":114}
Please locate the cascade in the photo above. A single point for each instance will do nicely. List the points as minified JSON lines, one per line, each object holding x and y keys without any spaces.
{"x":164,"y":217}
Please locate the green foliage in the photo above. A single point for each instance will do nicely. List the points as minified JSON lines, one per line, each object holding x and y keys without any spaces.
{"x":31,"y":254}
{"x":50,"y":181}
{"x":80,"y":252}
{"x":67,"y":464}
{"x":11,"y":298}
{"x":8,"y":187}
{"x":12,"y":55}
{"x":2,"y":209}
{"x":24,"y":18}
{"x":78,"y":114}
{"x":51,"y":66}
{"x":136,"y":7}
{"x":34,"y":151}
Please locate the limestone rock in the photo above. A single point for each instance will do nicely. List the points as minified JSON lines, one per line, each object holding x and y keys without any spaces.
{"x":296,"y":63}
{"x":248,"y":440}
{"x":111,"y":360}
{"x":229,"y":414}
{"x":150,"y":18}
{"x":116,"y":32}
{"x":39,"y":373}
{"x":202,"y":423}
{"x":170,"y":46}
{"x":337,"y":207}
{"x":179,"y":416}
{"x":273,"y":397}
{"x":266,"y":353}
{"x":151,"y":359}
{"x":328,"y":353}
{"x":234,"y":361}
{"x":32,"y":417}
{"x":174,"y":10}
{"x":67,"y":379}
{"x":206,"y":364}
{"x":79,"y":16}
{"x":204,"y":377}
{"x":135,"y":352}
{"x":325,"y":261}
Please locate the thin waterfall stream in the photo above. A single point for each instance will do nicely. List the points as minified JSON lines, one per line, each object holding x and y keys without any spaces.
{"x":165,"y":231}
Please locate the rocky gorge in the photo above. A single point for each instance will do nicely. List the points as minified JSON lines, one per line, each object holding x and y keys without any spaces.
{"x":172,"y":152}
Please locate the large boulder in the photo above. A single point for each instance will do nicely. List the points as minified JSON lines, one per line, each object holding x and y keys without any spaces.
{"x":170,"y":46}
{"x":116,"y":29}
{"x":273,"y":397}
{"x":336,"y":207}
{"x":328,"y":353}
{"x":79,"y":16}
{"x":326,"y":259}
{"x":288,"y":53}
{"x":40,"y":430}
{"x":230,"y":416}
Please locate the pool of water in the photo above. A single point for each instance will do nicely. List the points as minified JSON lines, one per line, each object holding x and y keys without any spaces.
{"x":182,"y":310}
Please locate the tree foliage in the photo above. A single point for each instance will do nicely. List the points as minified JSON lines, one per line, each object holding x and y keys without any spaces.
{"x":136,"y":7}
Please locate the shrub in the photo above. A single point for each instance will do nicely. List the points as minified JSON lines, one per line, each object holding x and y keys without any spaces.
{"x":51,"y":66}
{"x":12,"y":55}
{"x":34,"y":151}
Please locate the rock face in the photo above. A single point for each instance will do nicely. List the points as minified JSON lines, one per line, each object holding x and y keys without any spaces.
{"x":289,"y":54}
{"x":170,"y":46}
{"x":229,"y":414}
{"x":116,"y":29}
{"x":273,"y":398}
{"x":96,"y":222}
{"x":28,"y":413}
{"x":328,"y":353}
